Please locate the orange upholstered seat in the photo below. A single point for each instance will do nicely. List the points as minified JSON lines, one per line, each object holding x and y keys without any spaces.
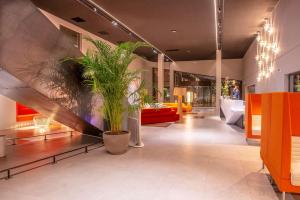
{"x":253,"y":116}
{"x":185,"y":107}
{"x":280,"y":125}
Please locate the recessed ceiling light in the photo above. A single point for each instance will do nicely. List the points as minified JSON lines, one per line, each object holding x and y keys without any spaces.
{"x":173,"y":31}
{"x":172,"y":50}
{"x":188,"y":51}
{"x":95,"y":9}
{"x":114,"y":23}
{"x":78,"y":19}
{"x":103,"y":32}
{"x":120,"y":42}
{"x":154,"y":51}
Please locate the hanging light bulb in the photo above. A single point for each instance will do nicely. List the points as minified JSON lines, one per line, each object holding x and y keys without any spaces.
{"x":270,"y":30}
{"x":258,"y":79}
{"x":267,"y":49}
{"x":258,"y":37}
{"x":267,"y":24}
{"x":261,"y":43}
{"x":267,"y":57}
{"x":276,"y":50}
{"x":271,"y":68}
{"x":267,"y":75}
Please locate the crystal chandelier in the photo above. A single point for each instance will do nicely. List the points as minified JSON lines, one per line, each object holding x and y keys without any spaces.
{"x":266,"y":50}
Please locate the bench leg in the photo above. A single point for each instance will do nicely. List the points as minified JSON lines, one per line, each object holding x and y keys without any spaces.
{"x":283,"y":196}
{"x":272,"y":180}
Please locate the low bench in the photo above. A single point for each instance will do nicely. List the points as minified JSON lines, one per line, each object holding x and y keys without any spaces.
{"x":14,"y":139}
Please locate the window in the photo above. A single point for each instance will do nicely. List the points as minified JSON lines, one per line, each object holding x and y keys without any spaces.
{"x":294,"y":82}
{"x":73,"y":35}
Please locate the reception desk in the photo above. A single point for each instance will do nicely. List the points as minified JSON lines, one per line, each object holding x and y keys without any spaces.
{"x":233,"y":110}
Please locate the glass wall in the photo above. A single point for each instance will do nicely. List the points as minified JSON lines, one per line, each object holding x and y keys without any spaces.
{"x":228,"y":87}
{"x":294,"y":82}
{"x":166,"y":92}
{"x":201,"y":89}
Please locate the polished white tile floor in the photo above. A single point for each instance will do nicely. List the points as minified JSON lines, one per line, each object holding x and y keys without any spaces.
{"x":202,"y":159}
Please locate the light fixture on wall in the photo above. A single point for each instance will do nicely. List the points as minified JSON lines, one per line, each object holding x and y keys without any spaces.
{"x":266,"y":50}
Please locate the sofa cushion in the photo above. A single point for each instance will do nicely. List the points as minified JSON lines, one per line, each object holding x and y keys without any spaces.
{"x":295,"y":165}
{"x":256,"y":124}
{"x":156,"y":110}
{"x":185,"y":107}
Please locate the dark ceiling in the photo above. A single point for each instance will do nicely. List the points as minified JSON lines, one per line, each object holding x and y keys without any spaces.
{"x":193,"y":21}
{"x":242,"y":19}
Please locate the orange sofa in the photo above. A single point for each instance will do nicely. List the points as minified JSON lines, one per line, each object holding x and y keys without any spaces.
{"x":253,"y":116}
{"x":280,"y":139}
{"x":185,"y":107}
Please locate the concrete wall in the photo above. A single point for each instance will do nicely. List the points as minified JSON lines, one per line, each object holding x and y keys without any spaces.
{"x":138,"y":64}
{"x":287,"y":27}
{"x":7,"y":113}
{"x":28,"y":42}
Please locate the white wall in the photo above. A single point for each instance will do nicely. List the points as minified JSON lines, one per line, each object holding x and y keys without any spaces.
{"x":287,"y":27}
{"x":231,"y":68}
{"x":7,"y":113}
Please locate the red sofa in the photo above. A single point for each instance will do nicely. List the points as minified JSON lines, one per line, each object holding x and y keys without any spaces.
{"x":24,"y":113}
{"x":159,"y":115}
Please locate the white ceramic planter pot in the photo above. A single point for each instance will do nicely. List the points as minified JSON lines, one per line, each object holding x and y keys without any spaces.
{"x":116,"y":143}
{"x":2,"y":146}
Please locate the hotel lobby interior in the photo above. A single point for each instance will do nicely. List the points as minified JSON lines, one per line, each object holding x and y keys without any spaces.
{"x":140,"y":99}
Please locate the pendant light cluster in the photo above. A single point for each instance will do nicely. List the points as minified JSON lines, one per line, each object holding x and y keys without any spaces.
{"x":267,"y":50}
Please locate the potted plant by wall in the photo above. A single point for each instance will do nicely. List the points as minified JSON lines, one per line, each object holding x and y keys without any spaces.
{"x":225,"y":88}
{"x":106,"y":71}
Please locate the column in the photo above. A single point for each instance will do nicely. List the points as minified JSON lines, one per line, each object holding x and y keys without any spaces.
{"x":218,"y":80}
{"x":160,"y":77}
{"x":172,"y":81}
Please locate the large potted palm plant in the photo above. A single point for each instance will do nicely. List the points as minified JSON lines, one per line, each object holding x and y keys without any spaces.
{"x":106,"y":71}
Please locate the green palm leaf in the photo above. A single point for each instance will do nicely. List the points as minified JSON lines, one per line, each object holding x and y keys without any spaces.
{"x":106,"y":71}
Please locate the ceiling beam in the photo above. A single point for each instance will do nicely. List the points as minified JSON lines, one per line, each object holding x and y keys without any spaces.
{"x":102,"y":12}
